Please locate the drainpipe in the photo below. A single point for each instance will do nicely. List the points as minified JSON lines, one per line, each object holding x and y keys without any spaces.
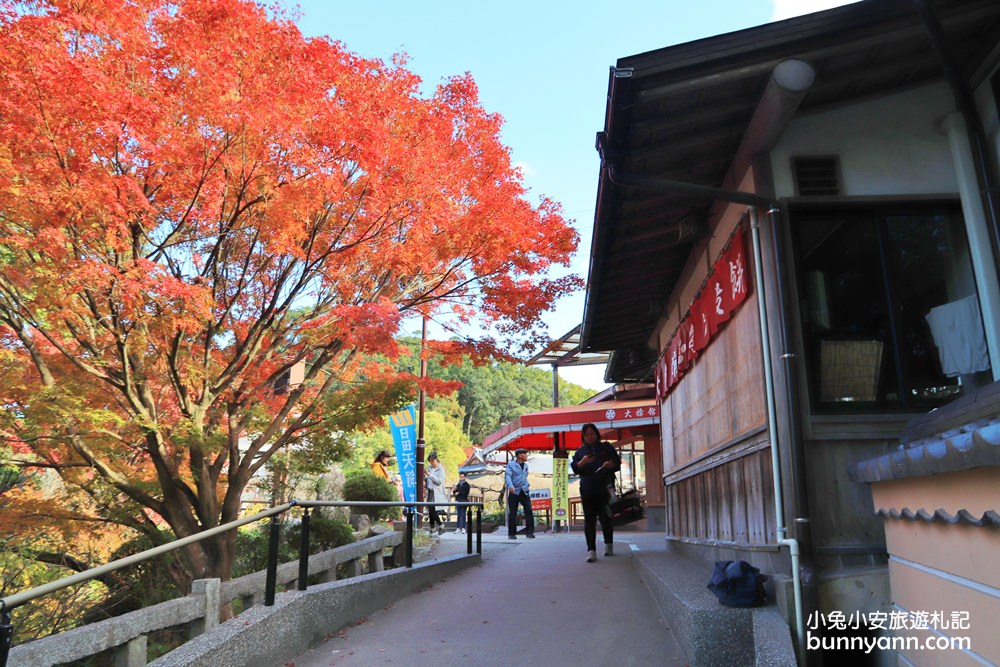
{"x":772,"y":420}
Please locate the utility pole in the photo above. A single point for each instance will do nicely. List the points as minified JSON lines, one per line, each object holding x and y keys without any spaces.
{"x":420,"y":420}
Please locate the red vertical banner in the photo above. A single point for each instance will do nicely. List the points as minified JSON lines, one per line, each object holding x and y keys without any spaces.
{"x":673,"y":363}
{"x":699,"y":325}
{"x":718,"y":287}
{"x":661,"y":380}
{"x":689,"y":336}
{"x":725,"y":289}
{"x":683,"y":359}
{"x":734,"y":262}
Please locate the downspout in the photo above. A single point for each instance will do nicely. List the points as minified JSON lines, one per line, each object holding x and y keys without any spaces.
{"x":790,"y":377}
{"x":781,"y":529}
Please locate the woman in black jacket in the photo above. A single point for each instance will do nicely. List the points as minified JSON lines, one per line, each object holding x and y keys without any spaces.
{"x":461,"y":493}
{"x":596,"y":463}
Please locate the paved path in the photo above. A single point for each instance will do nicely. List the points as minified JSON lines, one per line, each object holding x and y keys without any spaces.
{"x":531,"y":602}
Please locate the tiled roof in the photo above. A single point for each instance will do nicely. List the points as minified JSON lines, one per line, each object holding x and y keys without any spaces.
{"x":989,"y":518}
{"x":975,"y":445}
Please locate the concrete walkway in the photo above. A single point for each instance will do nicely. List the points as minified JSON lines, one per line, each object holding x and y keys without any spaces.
{"x":531,"y":602}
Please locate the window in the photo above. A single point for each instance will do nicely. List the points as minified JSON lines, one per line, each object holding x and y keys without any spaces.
{"x":889,"y":306}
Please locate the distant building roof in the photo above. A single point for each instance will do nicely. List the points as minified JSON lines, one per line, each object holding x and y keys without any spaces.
{"x":565,"y":351}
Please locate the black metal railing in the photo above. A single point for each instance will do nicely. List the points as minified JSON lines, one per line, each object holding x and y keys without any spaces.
{"x":409,"y":510}
{"x":11,"y":602}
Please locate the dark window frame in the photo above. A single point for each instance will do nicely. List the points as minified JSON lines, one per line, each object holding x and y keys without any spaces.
{"x":895,"y":367}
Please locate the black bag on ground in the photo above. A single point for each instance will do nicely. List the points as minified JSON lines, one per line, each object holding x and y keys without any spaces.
{"x":737,"y":583}
{"x":627,"y":508}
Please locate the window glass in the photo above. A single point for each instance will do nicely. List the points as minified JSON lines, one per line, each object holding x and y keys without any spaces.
{"x":882,"y":291}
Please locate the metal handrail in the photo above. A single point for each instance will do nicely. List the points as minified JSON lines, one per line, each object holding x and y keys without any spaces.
{"x":10,"y":602}
{"x":19,"y":599}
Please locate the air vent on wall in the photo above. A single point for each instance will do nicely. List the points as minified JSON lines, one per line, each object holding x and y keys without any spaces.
{"x":816,"y":176}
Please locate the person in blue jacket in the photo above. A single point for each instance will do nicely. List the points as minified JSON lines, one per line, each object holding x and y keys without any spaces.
{"x":516,"y":481}
{"x":596,"y":462}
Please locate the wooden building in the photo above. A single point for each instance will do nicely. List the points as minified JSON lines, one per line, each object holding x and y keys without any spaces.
{"x":800,"y":223}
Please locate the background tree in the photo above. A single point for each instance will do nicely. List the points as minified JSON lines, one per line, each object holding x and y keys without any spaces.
{"x":194,"y":199}
{"x":490,"y":393}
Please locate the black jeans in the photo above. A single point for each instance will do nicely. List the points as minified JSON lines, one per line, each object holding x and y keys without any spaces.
{"x":435,"y":520}
{"x":524,"y":501}
{"x":595,"y":507}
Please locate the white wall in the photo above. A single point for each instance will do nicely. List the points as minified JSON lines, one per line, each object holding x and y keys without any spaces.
{"x":888,"y":146}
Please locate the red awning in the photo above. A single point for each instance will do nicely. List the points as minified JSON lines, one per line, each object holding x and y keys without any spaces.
{"x":534,"y":430}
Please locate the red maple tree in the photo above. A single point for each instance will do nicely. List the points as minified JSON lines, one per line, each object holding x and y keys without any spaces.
{"x":194,"y":198}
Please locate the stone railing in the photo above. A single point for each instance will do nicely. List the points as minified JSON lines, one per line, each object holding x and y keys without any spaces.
{"x":127,"y":635}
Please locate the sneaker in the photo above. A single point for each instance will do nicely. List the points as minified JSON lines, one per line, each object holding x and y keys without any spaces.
{"x":530,"y":536}
{"x":609,"y":550}
{"x":512,"y":537}
{"x":458,"y":530}
{"x":591,"y":556}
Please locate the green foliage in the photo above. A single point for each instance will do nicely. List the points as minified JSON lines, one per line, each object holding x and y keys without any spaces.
{"x":497,"y":518}
{"x":251,"y":550}
{"x":142,"y":584}
{"x":10,"y":477}
{"x":57,"y":612}
{"x":252,"y":542}
{"x":492,"y":394}
{"x":324,"y":533}
{"x":365,"y":486}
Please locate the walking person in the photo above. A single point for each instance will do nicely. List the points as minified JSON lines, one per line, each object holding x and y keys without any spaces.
{"x":462,"y":490}
{"x":434,"y":481}
{"x":516,"y":480}
{"x":596,"y":462}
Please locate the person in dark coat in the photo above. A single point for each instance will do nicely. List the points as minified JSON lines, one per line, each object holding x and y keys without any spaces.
{"x":462,"y":490}
{"x":596,"y":462}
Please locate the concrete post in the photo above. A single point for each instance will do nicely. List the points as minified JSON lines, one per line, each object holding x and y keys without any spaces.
{"x":209,"y":590}
{"x":375,"y":562}
{"x":132,"y":653}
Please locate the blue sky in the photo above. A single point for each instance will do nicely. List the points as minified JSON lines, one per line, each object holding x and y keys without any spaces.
{"x":543,"y":66}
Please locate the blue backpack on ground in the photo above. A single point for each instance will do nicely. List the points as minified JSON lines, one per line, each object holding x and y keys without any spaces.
{"x":737,"y":583}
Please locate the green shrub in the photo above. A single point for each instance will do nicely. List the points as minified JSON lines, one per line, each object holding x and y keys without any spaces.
{"x":252,"y":542}
{"x":324,"y":533}
{"x":141,"y":584}
{"x":496,"y":518}
{"x":365,"y":486}
{"x":251,"y":549}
